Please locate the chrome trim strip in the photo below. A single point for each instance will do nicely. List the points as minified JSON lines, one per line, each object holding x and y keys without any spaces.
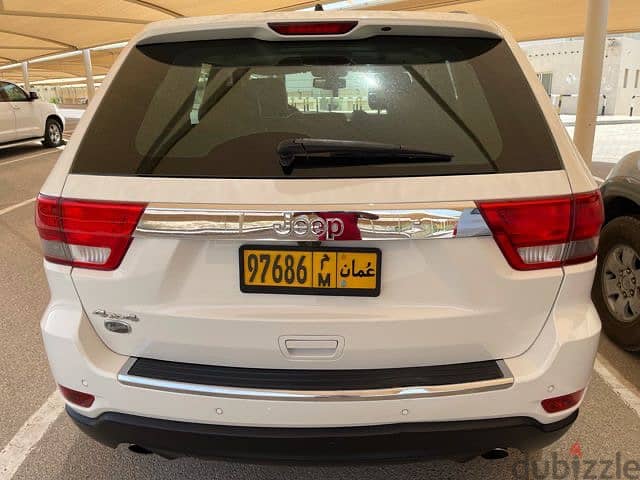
{"x":502,"y":365}
{"x":396,"y":393}
{"x":416,"y":222}
{"x":127,"y":365}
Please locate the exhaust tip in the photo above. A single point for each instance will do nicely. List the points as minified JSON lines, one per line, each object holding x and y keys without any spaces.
{"x":496,"y":454}
{"x":139,"y":450}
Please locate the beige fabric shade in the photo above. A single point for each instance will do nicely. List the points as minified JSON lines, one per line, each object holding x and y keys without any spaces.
{"x":34,"y":28}
{"x":537,"y":19}
{"x":70,"y":67}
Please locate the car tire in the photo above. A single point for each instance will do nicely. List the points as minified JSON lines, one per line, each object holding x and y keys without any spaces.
{"x":52,"y":133}
{"x":616,"y":287}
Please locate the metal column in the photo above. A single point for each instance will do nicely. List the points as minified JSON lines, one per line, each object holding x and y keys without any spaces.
{"x":88,"y":69}
{"x":595,"y":36}
{"x":25,"y":76}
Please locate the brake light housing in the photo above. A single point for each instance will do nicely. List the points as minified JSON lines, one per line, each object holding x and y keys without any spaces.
{"x":86,"y":234}
{"x":313,"y":28}
{"x":546,"y":232}
{"x":81,"y":399}
{"x":563,"y":402}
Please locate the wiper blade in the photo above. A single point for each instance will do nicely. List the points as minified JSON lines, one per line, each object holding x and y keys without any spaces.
{"x":294,"y":148}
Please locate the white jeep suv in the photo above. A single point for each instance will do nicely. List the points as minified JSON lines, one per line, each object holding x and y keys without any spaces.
{"x":321,"y":237}
{"x":24,"y":117}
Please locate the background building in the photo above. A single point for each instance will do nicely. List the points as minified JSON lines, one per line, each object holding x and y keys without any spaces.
{"x":557,"y":63}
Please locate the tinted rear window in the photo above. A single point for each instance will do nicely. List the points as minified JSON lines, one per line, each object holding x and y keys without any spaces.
{"x":220,"y":108}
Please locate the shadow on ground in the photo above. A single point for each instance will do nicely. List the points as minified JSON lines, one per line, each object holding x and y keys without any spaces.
{"x":25,"y":149}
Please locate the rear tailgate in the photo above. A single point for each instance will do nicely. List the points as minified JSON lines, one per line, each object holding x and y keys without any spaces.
{"x":197,"y":142}
{"x":442,"y":301}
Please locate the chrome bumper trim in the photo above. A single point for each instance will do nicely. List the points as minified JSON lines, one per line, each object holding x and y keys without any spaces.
{"x":397,"y":393}
{"x":311,"y":223}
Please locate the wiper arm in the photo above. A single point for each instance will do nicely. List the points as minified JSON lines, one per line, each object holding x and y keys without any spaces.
{"x":294,"y":148}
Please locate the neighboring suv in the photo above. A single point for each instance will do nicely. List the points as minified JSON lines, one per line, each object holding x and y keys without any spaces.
{"x":24,"y":117}
{"x":616,"y":289}
{"x":321,"y":237}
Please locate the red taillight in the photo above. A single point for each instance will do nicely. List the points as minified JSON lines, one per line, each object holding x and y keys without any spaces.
{"x":588,"y":217}
{"x":77,"y":398}
{"x":313,"y":28}
{"x":546,"y":232}
{"x":563,"y":402}
{"x":84,"y":233}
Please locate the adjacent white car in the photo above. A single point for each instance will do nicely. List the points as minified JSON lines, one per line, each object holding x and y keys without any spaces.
{"x":321,"y":237}
{"x":24,"y":117}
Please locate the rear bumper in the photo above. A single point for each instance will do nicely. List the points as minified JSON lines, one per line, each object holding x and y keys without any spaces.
{"x":558,"y":362}
{"x":396,"y":442}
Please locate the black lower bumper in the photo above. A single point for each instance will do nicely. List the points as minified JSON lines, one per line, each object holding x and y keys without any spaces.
{"x":397,"y":442}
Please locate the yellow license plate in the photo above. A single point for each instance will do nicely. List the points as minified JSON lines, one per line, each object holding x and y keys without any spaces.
{"x":310,"y":270}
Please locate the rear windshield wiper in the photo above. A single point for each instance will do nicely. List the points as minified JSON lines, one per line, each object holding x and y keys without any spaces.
{"x":364,"y":152}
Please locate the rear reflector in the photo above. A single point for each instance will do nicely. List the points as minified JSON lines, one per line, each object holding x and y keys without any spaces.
{"x":564,"y":402}
{"x":77,"y":398}
{"x":86,"y":234}
{"x":313,"y":28}
{"x":546,"y":232}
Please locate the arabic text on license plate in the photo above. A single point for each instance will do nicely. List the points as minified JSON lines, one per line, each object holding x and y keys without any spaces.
{"x":313,"y":271}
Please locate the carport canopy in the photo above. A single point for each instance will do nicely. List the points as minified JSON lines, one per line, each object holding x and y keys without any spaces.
{"x":32,"y":30}
{"x":29,"y":30}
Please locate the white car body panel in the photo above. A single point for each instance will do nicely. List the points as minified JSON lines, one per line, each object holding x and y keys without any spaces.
{"x":80,"y":360}
{"x":443,"y":301}
{"x":29,"y":119}
{"x":7,"y":122}
{"x":462,"y":299}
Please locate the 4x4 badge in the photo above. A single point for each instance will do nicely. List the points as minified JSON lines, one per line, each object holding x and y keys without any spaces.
{"x":132,"y":317}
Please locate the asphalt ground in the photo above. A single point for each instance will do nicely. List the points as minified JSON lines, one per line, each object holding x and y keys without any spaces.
{"x":608,"y":424}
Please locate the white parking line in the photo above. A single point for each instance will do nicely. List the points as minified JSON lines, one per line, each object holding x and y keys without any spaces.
{"x":621,"y":386}
{"x":19,"y":447}
{"x":30,"y":156}
{"x":17,"y":205}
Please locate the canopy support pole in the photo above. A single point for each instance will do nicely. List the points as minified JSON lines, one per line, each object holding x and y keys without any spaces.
{"x":595,"y":36}
{"x":25,"y":76}
{"x":88,"y":70}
